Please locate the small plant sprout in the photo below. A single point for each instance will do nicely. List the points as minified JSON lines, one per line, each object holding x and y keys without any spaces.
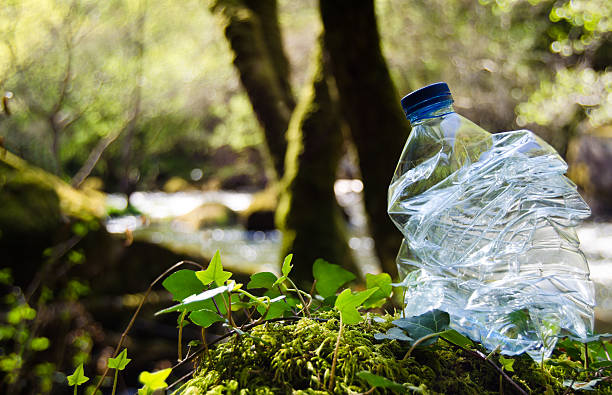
{"x":118,"y":363}
{"x":153,"y":381}
{"x":347,"y":304}
{"x":77,"y":378}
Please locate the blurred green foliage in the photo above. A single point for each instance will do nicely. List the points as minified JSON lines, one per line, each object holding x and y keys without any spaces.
{"x":74,"y":69}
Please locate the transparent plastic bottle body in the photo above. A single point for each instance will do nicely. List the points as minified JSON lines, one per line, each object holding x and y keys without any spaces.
{"x":488,"y":233}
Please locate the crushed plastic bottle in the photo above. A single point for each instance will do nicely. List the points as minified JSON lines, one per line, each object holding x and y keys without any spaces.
{"x":488,"y":223}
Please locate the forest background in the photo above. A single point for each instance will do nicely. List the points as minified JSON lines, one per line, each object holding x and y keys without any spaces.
{"x":125,"y":96}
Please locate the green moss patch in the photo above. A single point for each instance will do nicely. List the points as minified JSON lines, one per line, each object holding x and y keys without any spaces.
{"x":296,"y":357}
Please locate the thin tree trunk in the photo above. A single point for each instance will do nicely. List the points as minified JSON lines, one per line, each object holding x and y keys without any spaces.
{"x":308,"y":214}
{"x":251,"y":27}
{"x":371,"y":107}
{"x":128,"y":142}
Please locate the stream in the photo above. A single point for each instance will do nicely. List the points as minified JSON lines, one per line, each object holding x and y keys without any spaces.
{"x":253,"y":251}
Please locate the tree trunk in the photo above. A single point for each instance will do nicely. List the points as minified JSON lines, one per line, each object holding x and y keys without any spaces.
{"x":371,"y":107}
{"x":251,"y":27}
{"x":308,"y":214}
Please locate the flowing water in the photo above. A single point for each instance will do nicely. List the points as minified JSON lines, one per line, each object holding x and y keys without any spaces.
{"x":252,"y":251}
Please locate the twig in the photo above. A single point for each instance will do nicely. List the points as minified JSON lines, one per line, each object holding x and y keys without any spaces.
{"x":179,"y":380}
{"x":333,"y":367}
{"x":131,"y":323}
{"x":233,"y":332}
{"x":419,"y":341}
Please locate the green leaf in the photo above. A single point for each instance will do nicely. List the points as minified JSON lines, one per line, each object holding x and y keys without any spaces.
{"x":194,"y":302}
{"x":205,"y":318}
{"x":380,"y":382}
{"x":329,"y":277}
{"x":182,"y":284}
{"x":119,"y":362}
{"x":286,"y":269}
{"x":347,"y":304}
{"x":155,"y":381}
{"x":425,"y":324}
{"x":381,"y":281}
{"x":287,"y":266}
{"x":506,"y":363}
{"x":278,"y":306}
{"x":78,"y":377}
{"x":456,"y":338}
{"x":214,"y":272}
{"x":394,"y":333}
{"x":39,"y":344}
{"x":262,"y":280}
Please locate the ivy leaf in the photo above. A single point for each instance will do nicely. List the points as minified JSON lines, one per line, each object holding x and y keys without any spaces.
{"x":182,"y":284}
{"x":194,"y":302}
{"x":347,"y":304}
{"x":214,"y":272}
{"x":278,"y":306}
{"x":383,"y":282}
{"x":286,"y":269}
{"x":329,"y":277}
{"x":456,"y":338}
{"x":262,"y":280}
{"x":154,"y":381}
{"x":205,"y":317}
{"x":506,"y":363}
{"x":78,"y":377}
{"x":120,"y":361}
{"x":394,"y":333}
{"x":377,"y":381}
{"x":433,"y":321}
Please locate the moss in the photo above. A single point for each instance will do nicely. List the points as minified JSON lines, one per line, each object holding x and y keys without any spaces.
{"x":16,"y":173}
{"x":296,"y":357}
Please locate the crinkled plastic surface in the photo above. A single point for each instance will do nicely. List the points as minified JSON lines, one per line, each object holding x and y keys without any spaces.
{"x":488,"y":225}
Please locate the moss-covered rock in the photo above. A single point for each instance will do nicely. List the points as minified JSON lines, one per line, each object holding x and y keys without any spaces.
{"x":296,"y":358}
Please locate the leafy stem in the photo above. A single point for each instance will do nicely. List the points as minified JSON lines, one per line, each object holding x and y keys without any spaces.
{"x":419,"y":341}
{"x":131,"y":323}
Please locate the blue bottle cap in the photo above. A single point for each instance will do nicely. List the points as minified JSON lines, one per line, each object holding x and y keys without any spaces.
{"x":426,"y":96}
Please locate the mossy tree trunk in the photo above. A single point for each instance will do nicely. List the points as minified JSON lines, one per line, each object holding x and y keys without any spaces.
{"x":308,"y":214}
{"x":371,"y":107}
{"x":252,"y":30}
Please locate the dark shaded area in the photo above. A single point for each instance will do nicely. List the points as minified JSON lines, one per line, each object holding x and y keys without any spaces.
{"x":370,"y":105}
{"x":308,"y":214}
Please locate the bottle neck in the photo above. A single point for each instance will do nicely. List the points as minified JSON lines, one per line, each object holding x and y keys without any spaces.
{"x":432,"y":111}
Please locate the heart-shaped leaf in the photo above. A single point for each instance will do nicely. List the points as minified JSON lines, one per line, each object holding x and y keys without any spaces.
{"x":347,"y":304}
{"x":182,"y":284}
{"x":205,"y":318}
{"x":154,"y":381}
{"x":329,"y":277}
{"x":262,"y":280}
{"x":381,"y":281}
{"x":431,"y":322}
{"x":506,"y":363}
